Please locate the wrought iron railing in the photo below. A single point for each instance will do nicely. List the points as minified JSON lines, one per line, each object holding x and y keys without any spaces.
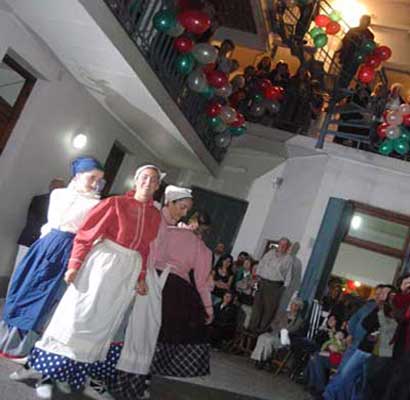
{"x":157,"y":48}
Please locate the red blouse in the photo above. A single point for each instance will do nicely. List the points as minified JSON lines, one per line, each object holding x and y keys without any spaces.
{"x":122,"y":219}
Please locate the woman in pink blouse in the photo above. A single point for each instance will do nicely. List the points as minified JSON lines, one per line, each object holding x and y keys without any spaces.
{"x":182,"y":348}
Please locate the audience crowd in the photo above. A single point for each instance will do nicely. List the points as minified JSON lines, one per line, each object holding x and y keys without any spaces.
{"x":355,"y":349}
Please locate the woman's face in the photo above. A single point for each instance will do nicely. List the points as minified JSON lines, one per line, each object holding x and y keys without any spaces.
{"x":226,"y":263}
{"x":180,"y":208}
{"x":147,"y":183}
{"x":331,"y":322}
{"x":89,"y":181}
{"x":247,"y":264}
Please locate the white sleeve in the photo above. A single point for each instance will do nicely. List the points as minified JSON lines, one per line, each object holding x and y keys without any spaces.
{"x":54,"y":212}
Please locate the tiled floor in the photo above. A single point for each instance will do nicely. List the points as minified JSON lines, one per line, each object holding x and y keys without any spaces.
{"x":230,"y":375}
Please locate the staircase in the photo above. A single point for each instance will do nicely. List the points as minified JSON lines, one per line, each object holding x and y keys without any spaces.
{"x":346,"y":118}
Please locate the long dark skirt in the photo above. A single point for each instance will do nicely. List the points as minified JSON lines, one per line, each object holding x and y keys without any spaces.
{"x":182,"y":349}
{"x":36,"y":288}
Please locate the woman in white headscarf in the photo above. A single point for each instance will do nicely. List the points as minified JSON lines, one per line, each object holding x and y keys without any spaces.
{"x":107,"y":266}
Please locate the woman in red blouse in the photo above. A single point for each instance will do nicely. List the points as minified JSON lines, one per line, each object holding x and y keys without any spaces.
{"x":106,"y":269}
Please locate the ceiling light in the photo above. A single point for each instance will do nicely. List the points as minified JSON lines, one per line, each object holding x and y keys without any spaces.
{"x":351,"y":10}
{"x":357,"y":284}
{"x":356,"y":222}
{"x":79,"y":141}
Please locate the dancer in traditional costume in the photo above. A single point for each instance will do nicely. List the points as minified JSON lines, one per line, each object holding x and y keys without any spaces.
{"x":182,"y":349}
{"x":106,"y":268}
{"x":37,"y":284}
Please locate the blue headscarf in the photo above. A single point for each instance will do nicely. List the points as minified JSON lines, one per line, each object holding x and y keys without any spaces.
{"x":84,"y":164}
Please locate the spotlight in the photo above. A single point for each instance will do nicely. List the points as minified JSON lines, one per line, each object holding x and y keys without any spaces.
{"x":79,"y":141}
{"x":357,"y":284}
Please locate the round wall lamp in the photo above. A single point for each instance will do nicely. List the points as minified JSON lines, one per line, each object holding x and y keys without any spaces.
{"x":79,"y":141}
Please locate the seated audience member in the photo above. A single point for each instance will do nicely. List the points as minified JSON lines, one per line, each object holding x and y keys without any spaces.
{"x":245,"y":283}
{"x":218,"y":253}
{"x":394,"y":99}
{"x":223,"y":277}
{"x":349,"y":381}
{"x":291,"y":327}
{"x":323,"y":362}
{"x":238,"y":268}
{"x":224,"y":324}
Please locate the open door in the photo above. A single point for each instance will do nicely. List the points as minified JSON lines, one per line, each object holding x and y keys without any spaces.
{"x":334,"y":226}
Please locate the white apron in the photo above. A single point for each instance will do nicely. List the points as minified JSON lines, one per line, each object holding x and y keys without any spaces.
{"x":143,"y":326}
{"x":93,"y":307}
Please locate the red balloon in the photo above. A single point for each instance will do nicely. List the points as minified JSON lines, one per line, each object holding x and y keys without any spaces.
{"x":208,"y":68}
{"x":273,"y":93}
{"x":213,"y":109}
{"x":239,"y":120}
{"x":381,"y":130}
{"x":373,"y":61}
{"x":183,"y":44}
{"x":333,"y":27}
{"x":217,"y":79}
{"x":383,"y":52}
{"x":406,"y":120}
{"x":194,"y":21}
{"x":265,"y":83}
{"x":366,"y":74}
{"x":185,"y":5}
{"x":322,"y":20}
{"x":385,"y":114}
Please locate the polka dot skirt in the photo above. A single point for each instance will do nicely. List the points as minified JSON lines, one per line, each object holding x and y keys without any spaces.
{"x":75,"y":373}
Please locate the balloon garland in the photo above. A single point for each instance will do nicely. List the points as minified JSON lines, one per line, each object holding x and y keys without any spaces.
{"x":267,"y":98}
{"x":395,"y":131}
{"x":325,"y":25}
{"x":197,"y":62}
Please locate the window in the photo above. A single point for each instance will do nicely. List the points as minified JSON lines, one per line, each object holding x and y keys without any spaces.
{"x":16,"y":84}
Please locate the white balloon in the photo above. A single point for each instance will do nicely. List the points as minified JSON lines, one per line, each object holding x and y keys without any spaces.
{"x":205,"y":53}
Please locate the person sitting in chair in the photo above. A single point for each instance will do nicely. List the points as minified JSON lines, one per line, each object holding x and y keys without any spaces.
{"x":280,"y":335}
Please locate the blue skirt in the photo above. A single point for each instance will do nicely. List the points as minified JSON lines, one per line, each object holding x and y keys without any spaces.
{"x":36,"y":288}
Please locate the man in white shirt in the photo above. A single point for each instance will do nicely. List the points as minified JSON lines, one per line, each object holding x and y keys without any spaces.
{"x":274,"y":273}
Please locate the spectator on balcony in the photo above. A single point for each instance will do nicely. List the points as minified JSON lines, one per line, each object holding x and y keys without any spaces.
{"x":351,"y":44}
{"x":307,"y":11}
{"x":263,"y":67}
{"x":280,"y":75}
{"x":238,"y":90}
{"x":394,"y":99}
{"x":224,"y":62}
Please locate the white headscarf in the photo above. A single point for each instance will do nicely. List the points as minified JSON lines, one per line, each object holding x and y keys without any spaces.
{"x":173,"y":193}
{"x":138,"y":172}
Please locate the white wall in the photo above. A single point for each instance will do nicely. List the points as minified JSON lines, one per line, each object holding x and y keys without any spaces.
{"x":260,"y":198}
{"x":39,"y":147}
{"x":296,"y":208}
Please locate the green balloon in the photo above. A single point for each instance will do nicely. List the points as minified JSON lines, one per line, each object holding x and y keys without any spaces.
{"x":401,"y":146}
{"x":386,"y":147}
{"x":320,"y":40}
{"x":185,"y":63}
{"x":258,"y":97}
{"x":213,"y":122}
{"x":404,"y":133}
{"x":335,"y":16}
{"x":237,"y":130}
{"x":164,"y":20}
{"x":368,"y":47}
{"x":316,"y":31}
{"x":209,"y":92}
{"x":359,"y":58}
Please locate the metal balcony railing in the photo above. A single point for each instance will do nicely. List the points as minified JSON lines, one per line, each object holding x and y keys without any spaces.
{"x":157,"y":48}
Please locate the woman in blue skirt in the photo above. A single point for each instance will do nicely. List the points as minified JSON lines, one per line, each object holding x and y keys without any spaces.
{"x":37,"y":284}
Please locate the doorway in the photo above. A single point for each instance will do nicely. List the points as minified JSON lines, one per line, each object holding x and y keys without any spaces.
{"x":112,"y":166}
{"x":226,"y":214}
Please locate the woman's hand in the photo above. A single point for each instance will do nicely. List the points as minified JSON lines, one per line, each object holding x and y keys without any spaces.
{"x":70,"y":275}
{"x":142,"y":288}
